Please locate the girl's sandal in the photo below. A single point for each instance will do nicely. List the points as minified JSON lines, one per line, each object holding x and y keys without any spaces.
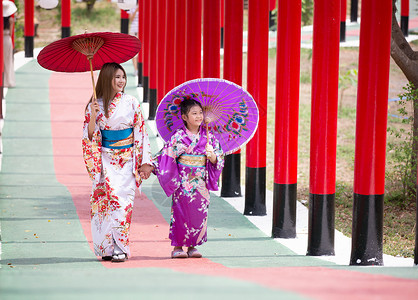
{"x":178,"y":253}
{"x":193,"y":253}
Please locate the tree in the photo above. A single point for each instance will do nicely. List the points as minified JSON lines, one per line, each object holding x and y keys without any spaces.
{"x":407,"y":60}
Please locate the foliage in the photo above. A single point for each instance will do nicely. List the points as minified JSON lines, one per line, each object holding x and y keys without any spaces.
{"x":19,"y":29}
{"x":104,"y":17}
{"x":345,"y":80}
{"x":307,"y":12}
{"x":402,"y":177}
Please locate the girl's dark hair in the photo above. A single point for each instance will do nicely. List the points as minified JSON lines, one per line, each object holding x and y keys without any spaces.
{"x":104,"y":84}
{"x":187,"y":104}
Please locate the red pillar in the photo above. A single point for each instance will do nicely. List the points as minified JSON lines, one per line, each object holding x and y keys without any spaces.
{"x":65,"y":18}
{"x":29,"y":30}
{"x":160,"y":49}
{"x":325,"y":59}
{"x":180,"y":44}
{"x":153,"y":60}
{"x":145,"y":48}
{"x":211,"y":38}
{"x":287,"y":118}
{"x":141,"y":38}
{"x":405,"y":16}
{"x":343,"y":18}
{"x":169,"y":46}
{"x":234,"y":18}
{"x":257,"y":75}
{"x":193,"y":39}
{"x":371,"y":126}
{"x":1,"y":65}
{"x":124,"y":21}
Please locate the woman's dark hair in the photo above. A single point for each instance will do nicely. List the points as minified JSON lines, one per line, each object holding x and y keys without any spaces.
{"x":187,"y":104}
{"x":104,"y":84}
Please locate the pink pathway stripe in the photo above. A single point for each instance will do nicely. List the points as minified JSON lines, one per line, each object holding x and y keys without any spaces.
{"x":150,"y":247}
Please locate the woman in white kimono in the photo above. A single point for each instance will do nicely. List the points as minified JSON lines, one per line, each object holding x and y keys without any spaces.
{"x":117,"y":155}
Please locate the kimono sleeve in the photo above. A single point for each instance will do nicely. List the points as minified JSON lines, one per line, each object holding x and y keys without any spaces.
{"x":142,"y":148}
{"x":92,"y":148}
{"x":165,"y":164}
{"x":214,"y":170}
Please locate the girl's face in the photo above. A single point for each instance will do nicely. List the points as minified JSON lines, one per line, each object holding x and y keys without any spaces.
{"x":194,"y":117}
{"x":119,"y":81}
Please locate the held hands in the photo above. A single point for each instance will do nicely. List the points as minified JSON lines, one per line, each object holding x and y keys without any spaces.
{"x":145,"y":171}
{"x":210,"y":154}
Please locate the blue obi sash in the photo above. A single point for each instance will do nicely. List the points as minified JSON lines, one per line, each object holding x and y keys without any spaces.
{"x":118,"y":139}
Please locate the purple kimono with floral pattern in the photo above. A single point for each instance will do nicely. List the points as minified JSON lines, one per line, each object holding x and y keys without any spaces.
{"x":189,"y":184}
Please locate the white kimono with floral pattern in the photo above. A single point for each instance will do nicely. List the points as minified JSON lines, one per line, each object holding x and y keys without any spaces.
{"x":114,"y":173}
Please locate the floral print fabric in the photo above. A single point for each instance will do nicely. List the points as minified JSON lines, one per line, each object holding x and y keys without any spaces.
{"x":114,"y":173}
{"x":188,"y":184}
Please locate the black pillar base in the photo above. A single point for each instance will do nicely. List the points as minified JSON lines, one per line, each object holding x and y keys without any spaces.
{"x":124,"y":26}
{"x":321,"y":228}
{"x":342,"y":31}
{"x":231,"y":176}
{"x":152,"y":104}
{"x":354,"y":11}
{"x":255,"y":192}
{"x":65,"y":32}
{"x":367,"y":233}
{"x":146,"y":88}
{"x":222,"y":37}
{"x":405,"y":25}
{"x":284,"y":211}
{"x":28,"y":46}
{"x":139,"y":68}
{"x":271,"y":22}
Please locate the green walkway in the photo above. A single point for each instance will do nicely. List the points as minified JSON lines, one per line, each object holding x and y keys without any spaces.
{"x":46,"y":254}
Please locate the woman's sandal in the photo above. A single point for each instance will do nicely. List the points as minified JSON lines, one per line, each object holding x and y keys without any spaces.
{"x":106,"y":258}
{"x":178,"y":253}
{"x":193,"y":253}
{"x":119,"y":257}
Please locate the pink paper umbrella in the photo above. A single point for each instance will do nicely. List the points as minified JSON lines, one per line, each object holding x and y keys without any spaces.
{"x":232,"y":111}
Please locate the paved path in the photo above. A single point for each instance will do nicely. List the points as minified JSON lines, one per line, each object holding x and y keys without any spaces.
{"x":45,"y":227}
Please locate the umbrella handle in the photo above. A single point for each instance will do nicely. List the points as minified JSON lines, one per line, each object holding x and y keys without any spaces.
{"x":207,"y":121}
{"x":92,"y":77}
{"x":207,"y":134}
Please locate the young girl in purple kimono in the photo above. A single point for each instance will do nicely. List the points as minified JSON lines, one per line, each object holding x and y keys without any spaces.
{"x":188,"y":167}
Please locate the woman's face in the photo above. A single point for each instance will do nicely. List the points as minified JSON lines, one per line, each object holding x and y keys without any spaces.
{"x":119,"y":81}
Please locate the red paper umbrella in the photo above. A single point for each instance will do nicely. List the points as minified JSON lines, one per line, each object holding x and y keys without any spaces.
{"x":88,"y":51}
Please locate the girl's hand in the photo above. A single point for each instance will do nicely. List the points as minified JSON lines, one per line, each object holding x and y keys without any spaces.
{"x":145,"y":171}
{"x":210,"y":153}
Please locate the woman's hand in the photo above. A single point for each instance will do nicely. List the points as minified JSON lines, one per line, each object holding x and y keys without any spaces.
{"x":95,"y":108}
{"x":145,"y":171}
